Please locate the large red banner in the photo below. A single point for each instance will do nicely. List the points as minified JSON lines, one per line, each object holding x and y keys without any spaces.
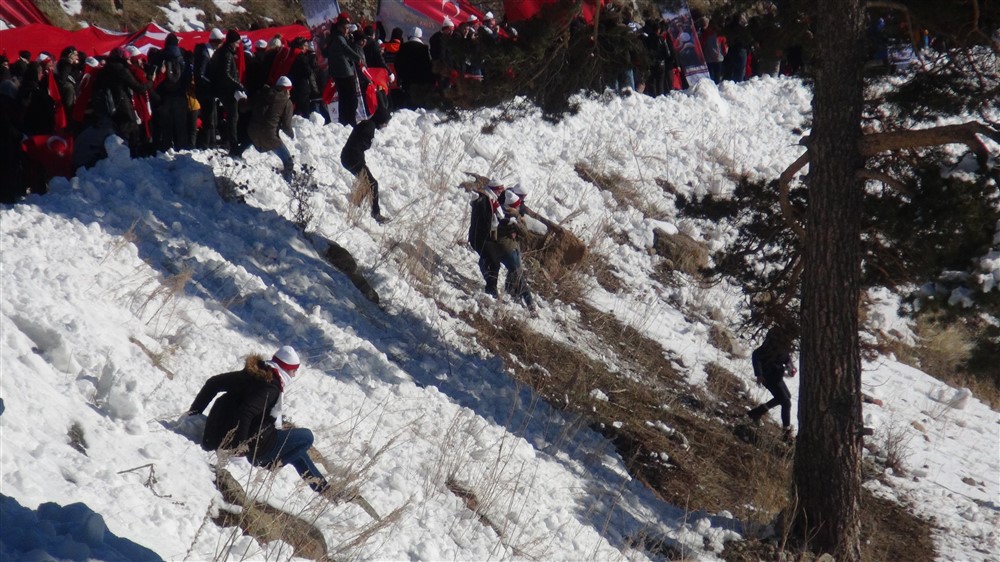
{"x":96,"y":41}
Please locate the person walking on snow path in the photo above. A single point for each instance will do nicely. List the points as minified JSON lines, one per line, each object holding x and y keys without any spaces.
{"x":247,"y":418}
{"x":772,"y":362}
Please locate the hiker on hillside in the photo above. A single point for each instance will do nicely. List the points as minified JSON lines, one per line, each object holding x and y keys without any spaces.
{"x":272,"y":112}
{"x":502,"y":245}
{"x":482,"y":229}
{"x":247,"y":421}
{"x":352,"y":156}
{"x":772,"y":362}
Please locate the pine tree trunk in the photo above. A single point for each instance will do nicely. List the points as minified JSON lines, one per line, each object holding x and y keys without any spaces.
{"x":827,"y":469}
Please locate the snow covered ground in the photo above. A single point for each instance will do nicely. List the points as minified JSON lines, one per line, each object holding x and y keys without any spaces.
{"x":126,"y":287}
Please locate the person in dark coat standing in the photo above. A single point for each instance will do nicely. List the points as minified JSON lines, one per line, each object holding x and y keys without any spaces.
{"x":209,"y":114}
{"x":772,"y":362}
{"x":414,"y":70}
{"x":227,"y":86}
{"x":482,"y":229}
{"x":272,"y":112}
{"x":247,"y":419}
{"x":171,"y":113}
{"x":342,"y":61}
{"x":113,"y":88}
{"x":352,"y":156}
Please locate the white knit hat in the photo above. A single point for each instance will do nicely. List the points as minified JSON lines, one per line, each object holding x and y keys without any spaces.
{"x":510,"y":201}
{"x":92,"y":62}
{"x":286,"y":359}
{"x":133,"y":51}
{"x":283,"y":82}
{"x":494,"y":184}
{"x":447,"y":22}
{"x":42,"y":57}
{"x":261,"y":44}
{"x":472,"y":18}
{"x":488,"y":16}
{"x":519,"y":189}
{"x":417,"y":33}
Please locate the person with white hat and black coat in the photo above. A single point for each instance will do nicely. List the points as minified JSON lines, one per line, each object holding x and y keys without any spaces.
{"x":247,"y":420}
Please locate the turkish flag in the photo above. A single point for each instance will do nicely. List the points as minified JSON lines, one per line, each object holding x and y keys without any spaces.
{"x":425,"y":14}
{"x":518,"y":10}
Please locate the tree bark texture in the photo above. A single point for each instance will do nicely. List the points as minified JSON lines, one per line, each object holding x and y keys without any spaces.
{"x":827,"y":467}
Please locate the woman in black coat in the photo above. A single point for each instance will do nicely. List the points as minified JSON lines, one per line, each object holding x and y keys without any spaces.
{"x":246,"y":419}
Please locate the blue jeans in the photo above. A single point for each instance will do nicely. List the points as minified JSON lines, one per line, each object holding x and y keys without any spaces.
{"x":285,"y":156}
{"x":292,"y":447}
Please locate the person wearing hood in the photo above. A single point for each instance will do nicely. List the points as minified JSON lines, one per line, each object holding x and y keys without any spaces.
{"x":247,"y":419}
{"x":171,"y":113}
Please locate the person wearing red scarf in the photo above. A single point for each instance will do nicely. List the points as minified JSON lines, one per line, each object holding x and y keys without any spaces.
{"x":81,"y":107}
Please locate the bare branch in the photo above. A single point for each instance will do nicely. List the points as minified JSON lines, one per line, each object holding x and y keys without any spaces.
{"x":965,"y":133}
{"x":786,"y":207}
{"x":875,"y":175}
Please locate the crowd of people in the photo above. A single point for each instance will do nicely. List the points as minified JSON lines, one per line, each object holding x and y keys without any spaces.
{"x":208,"y":97}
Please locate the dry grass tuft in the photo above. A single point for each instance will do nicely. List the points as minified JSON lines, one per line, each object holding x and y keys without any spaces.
{"x":624,"y":191}
{"x":681,"y":253}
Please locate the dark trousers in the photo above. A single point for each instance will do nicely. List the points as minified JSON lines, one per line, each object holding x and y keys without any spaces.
{"x":292,"y":447}
{"x":782,"y":397}
{"x":209,"y":122}
{"x":229,"y":130}
{"x":348,"y":95}
{"x":172,"y":124}
{"x":362,"y":168}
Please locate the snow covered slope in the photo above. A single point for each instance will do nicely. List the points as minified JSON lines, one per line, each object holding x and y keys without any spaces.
{"x":125,"y":288}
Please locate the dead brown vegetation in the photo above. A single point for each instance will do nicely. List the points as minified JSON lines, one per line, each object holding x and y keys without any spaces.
{"x":691,"y":446}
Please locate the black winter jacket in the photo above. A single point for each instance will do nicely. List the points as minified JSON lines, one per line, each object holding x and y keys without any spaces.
{"x":353,"y":154}
{"x":245,"y":407}
{"x":771,"y":360}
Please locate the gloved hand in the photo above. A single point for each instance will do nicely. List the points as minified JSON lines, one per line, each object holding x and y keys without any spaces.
{"x":240,"y":95}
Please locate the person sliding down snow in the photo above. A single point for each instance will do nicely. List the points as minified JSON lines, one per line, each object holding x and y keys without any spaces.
{"x":772,"y":361}
{"x":246,"y":419}
{"x":352,"y":156}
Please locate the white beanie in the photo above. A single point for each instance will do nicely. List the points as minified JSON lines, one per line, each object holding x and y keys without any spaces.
{"x":488,"y":16}
{"x":519,"y":189}
{"x":42,"y":57}
{"x":92,"y":62}
{"x":417,"y":33}
{"x":133,"y":51}
{"x":286,"y":358}
{"x":284,"y":82}
{"x":447,"y":22}
{"x":510,"y":201}
{"x":261,"y":44}
{"x":494,"y":183}
{"x":216,"y":35}
{"x":472,"y":18}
